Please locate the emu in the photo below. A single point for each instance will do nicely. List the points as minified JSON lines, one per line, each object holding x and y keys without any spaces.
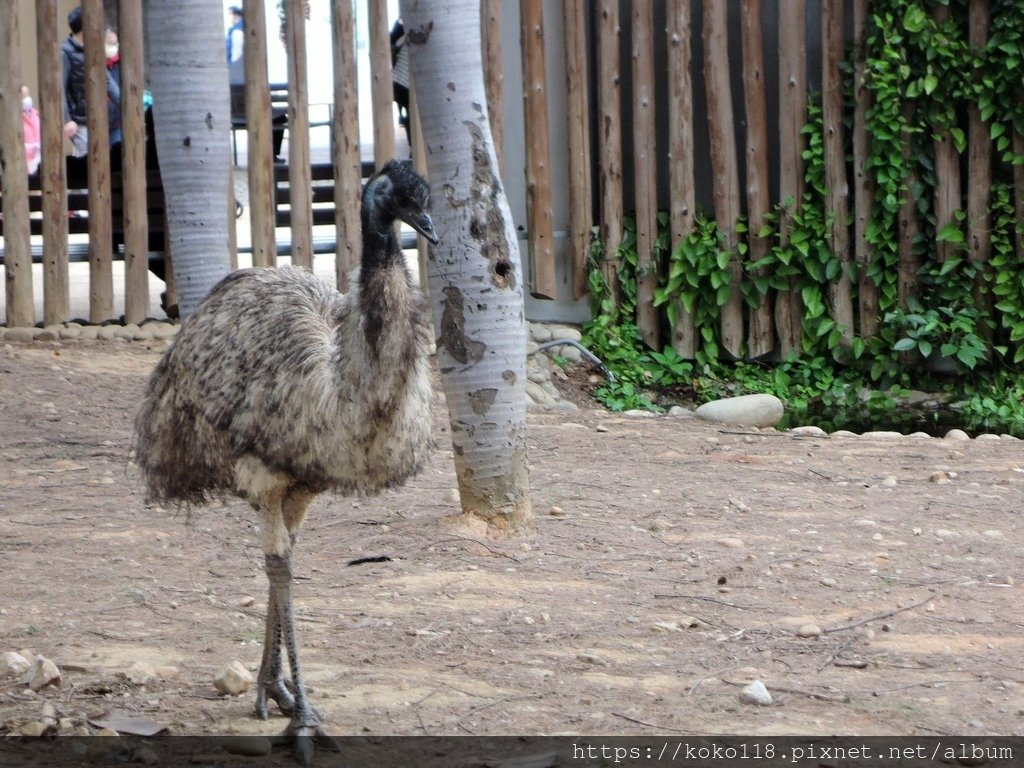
{"x":279,"y":388}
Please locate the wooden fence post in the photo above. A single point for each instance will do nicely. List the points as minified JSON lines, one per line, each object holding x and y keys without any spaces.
{"x":538,"y":165}
{"x":837,"y":188}
{"x":494,"y":75}
{"x":133,"y":164}
{"x":864,"y":183}
{"x":610,"y":141}
{"x":682,"y":192}
{"x":259,"y":136}
{"x":299,"y":184}
{"x":645,"y":174}
{"x":578,"y":141}
{"x":53,"y":170}
{"x":101,"y":240}
{"x":947,"y":176}
{"x":345,"y":144}
{"x":760,"y":339}
{"x":382,"y":89}
{"x":17,"y":246}
{"x":792,"y":116}
{"x":979,"y":180}
{"x":908,"y":223}
{"x":725,"y":185}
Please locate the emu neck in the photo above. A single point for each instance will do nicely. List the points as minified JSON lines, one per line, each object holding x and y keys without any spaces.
{"x":383,"y":282}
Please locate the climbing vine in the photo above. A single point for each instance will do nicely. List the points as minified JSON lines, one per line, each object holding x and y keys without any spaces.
{"x":923,"y":77}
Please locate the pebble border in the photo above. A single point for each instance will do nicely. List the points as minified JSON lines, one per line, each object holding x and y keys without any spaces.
{"x":541,"y":392}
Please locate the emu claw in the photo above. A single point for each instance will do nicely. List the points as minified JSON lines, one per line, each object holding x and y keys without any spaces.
{"x":281,"y":691}
{"x":304,"y":738}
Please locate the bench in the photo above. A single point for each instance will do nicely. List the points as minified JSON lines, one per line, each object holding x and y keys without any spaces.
{"x":278,"y":114}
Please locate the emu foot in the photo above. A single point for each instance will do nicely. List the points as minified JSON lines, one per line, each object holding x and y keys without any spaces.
{"x":305,"y":734}
{"x":281,"y":690}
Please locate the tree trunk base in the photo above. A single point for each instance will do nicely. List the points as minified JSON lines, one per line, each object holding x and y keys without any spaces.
{"x":508,"y":522}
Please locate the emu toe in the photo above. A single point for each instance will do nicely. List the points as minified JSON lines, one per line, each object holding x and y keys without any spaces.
{"x":280,"y":691}
{"x":305,"y":738}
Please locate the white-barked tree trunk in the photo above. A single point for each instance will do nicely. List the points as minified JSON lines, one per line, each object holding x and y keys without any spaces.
{"x":475,"y":275}
{"x":191,"y":113}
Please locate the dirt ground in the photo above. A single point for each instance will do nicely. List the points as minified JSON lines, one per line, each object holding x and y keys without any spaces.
{"x":674,"y":562}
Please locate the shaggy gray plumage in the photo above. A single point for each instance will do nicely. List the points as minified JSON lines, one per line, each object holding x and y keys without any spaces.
{"x":279,"y":388}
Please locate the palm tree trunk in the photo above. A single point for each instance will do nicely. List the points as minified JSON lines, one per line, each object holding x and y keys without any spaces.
{"x":189,"y":79}
{"x":475,"y":274}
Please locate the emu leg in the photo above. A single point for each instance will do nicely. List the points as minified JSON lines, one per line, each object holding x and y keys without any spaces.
{"x":271,"y":682}
{"x":305,"y":727}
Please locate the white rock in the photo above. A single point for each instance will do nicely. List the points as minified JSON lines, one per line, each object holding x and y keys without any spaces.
{"x":889,"y":482}
{"x":140,"y":673}
{"x":809,"y":630}
{"x":920,"y":436}
{"x":566,"y":332}
{"x":639,"y":412}
{"x":678,"y":412}
{"x":540,"y":332}
{"x":13,"y":665}
{"x":843,"y":433}
{"x":233,"y":679}
{"x":808,"y":431}
{"x":744,"y":411}
{"x":987,"y":436}
{"x":44,"y":672}
{"x":756,"y":693}
{"x":882,"y":435}
{"x":21,"y":335}
{"x":957,"y":434}
{"x":731,"y":543}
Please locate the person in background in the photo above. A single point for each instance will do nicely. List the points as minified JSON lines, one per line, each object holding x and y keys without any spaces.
{"x":400,"y":75}
{"x":235,"y":41}
{"x":114,"y":70}
{"x":33,"y":134}
{"x":73,"y":81}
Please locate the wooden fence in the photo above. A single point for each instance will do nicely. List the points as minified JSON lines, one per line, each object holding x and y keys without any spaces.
{"x":607,"y":135}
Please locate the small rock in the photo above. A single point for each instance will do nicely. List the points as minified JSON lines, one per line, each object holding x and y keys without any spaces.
{"x":107,"y":732}
{"x":992,"y":533}
{"x":940,"y":478}
{"x":889,"y":482}
{"x":957,"y":434}
{"x":246,"y":601}
{"x":591,"y":658}
{"x":33,"y":729}
{"x":600,"y":428}
{"x":639,"y":412}
{"x":920,"y":436}
{"x":248,"y":746}
{"x":809,"y":630}
{"x":739,"y":505}
{"x":745,"y":411}
{"x":22,"y":335}
{"x":144,"y":755}
{"x":233,"y":679}
{"x":13,"y":665}
{"x":90,"y":332}
{"x":556,"y":512}
{"x":731,"y":543}
{"x":106,"y":332}
{"x":44,"y":672}
{"x":49,"y":333}
{"x":987,"y":436}
{"x":882,"y":435}
{"x":140,"y":673}
{"x":827,"y":582}
{"x":166,"y":672}
{"x":945,"y":533}
{"x":808,"y":431}
{"x":71,"y":332}
{"x":562,"y":332}
{"x":756,"y":693}
{"x":678,"y":412}
{"x":843,"y":433}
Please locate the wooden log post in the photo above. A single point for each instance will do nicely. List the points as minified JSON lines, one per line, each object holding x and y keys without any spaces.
{"x":724,"y":168}
{"x":578,"y":140}
{"x":908,"y":223}
{"x":645,"y":177}
{"x":133,"y":165}
{"x":14,"y":177}
{"x":53,"y":171}
{"x":419,"y":162}
{"x":345,"y":144}
{"x":610,"y":142}
{"x":540,"y":229}
{"x":382,"y":90}
{"x":792,"y":117}
{"x":101,"y":240}
{"x":979,"y":182}
{"x":682,"y":188}
{"x":948,"y":191}
{"x":864,"y":183}
{"x":837,"y":188}
{"x":494,"y":74}
{"x":299,"y":183}
{"x":760,"y":338}
{"x":259,"y":130}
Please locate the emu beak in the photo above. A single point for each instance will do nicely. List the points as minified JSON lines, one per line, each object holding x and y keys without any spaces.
{"x":425,"y":227}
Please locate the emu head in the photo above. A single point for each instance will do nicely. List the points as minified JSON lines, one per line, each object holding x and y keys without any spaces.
{"x":398,"y":192}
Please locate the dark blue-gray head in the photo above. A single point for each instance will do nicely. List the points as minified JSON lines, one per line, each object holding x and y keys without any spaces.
{"x":398,"y":192}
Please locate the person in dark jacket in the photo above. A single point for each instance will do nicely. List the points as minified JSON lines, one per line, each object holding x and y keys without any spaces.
{"x":73,"y":55}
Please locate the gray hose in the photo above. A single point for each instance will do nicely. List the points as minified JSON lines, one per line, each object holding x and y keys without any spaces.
{"x":586,"y":353}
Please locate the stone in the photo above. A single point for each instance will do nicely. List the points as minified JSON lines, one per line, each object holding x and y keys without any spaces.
{"x":71,"y":332}
{"x":809,"y":630}
{"x":920,"y":436}
{"x":940,"y":478}
{"x":957,"y":434}
{"x":843,"y":433}
{"x":49,"y":333}
{"x":33,"y":729}
{"x":246,"y":601}
{"x":563,"y":332}
{"x":13,"y":664}
{"x":731,"y":543}
{"x":90,"y":332}
{"x":107,"y":332}
{"x":756,"y":693}
{"x":43,"y":673}
{"x":536,"y":393}
{"x":882,"y":435}
{"x":678,"y":412}
{"x":247,"y":746}
{"x":987,"y":436}
{"x":163,"y":331}
{"x":233,"y":679}
{"x":744,"y":411}
{"x":639,"y":412}
{"x":808,"y":431}
{"x":539,"y":332}
{"x":19,"y":335}
{"x":143,"y":334}
{"x":140,"y":673}
{"x":570,"y":353}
